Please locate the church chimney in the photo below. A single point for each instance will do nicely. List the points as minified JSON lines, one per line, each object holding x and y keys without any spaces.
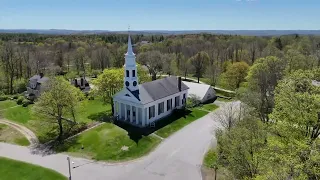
{"x":179,"y":83}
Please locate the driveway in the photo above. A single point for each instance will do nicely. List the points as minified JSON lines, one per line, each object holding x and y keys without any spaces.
{"x":177,"y":157}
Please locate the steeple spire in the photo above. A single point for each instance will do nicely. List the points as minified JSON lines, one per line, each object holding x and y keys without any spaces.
{"x":129,"y":51}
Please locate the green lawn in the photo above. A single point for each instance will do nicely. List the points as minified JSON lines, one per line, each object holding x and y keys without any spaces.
{"x":16,"y":170}
{"x":7,"y":104}
{"x":18,"y":114}
{"x":105,"y":143}
{"x":10,"y":135}
{"x":180,"y":123}
{"x":210,"y":107}
{"x":88,"y":111}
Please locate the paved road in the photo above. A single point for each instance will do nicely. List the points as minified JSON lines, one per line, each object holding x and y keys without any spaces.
{"x":177,"y":157}
{"x":33,"y":139}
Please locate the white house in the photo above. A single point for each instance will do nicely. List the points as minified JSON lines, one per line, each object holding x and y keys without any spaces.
{"x":203,"y":91}
{"x":142,"y":104}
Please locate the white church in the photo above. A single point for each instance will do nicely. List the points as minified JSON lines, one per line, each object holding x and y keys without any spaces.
{"x":143,"y":104}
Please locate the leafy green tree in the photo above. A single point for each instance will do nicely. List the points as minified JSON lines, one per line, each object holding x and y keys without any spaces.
{"x":153,"y":60}
{"x":111,"y":81}
{"x":57,"y":102}
{"x":262,"y":79}
{"x":236,"y":74}
{"x":199,"y":63}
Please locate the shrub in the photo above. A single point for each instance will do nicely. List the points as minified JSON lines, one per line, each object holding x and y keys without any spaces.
{"x":15,"y":96}
{"x":20,"y":100}
{"x":25,"y":103}
{"x":20,"y":85}
{"x":3,"y":97}
{"x":193,"y":101}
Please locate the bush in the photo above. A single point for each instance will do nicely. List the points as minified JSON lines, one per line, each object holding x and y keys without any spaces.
{"x":20,"y":85}
{"x":15,"y":96}
{"x":193,"y":101}
{"x":3,"y":97}
{"x":20,"y":100}
{"x":25,"y":103}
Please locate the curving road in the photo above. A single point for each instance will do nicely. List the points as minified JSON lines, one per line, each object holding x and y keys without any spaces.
{"x":33,"y":139}
{"x":177,"y":157}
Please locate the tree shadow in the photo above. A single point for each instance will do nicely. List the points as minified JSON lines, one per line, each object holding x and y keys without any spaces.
{"x":136,"y":133}
{"x":105,"y":116}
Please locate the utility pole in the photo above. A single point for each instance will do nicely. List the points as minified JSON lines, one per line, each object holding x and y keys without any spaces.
{"x":68,"y":158}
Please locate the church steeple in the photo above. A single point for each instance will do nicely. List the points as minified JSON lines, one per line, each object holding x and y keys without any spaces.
{"x":130,"y":73}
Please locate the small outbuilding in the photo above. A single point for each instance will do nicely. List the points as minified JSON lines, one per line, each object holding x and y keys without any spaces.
{"x":203,"y":91}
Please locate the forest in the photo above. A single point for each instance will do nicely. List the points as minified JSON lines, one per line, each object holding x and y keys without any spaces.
{"x":276,"y":79}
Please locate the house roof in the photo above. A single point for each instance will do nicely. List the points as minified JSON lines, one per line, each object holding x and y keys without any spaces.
{"x":197,"y":89}
{"x":158,"y":89}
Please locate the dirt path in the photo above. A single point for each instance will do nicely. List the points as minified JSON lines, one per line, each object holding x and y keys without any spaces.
{"x":25,"y":131}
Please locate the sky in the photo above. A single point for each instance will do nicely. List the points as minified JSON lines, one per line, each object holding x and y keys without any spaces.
{"x":160,"y":14}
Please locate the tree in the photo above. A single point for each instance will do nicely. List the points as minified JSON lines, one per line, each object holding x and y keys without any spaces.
{"x":199,"y":62}
{"x":111,"y":81}
{"x":212,"y":72}
{"x":57,"y":102}
{"x":240,"y":148}
{"x":9,"y":61}
{"x":236,"y":74}
{"x":81,"y":60}
{"x":262,"y":79}
{"x":228,"y":115}
{"x":102,"y":56}
{"x":153,"y":60}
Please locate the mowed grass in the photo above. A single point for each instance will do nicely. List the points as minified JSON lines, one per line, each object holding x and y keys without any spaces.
{"x":18,"y":114}
{"x":87,"y":112}
{"x":180,"y":123}
{"x":105,"y":142}
{"x":16,"y":170}
{"x":12,"y":136}
{"x":210,"y":107}
{"x":7,"y":104}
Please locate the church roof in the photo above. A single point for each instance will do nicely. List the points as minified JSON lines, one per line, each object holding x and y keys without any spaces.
{"x":158,"y":89}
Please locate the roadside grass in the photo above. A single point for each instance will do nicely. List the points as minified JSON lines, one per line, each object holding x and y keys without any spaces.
{"x":210,"y":107}
{"x":105,"y":142}
{"x":12,"y":136}
{"x":178,"y":124}
{"x":88,"y":111}
{"x":14,"y":170}
{"x":210,"y":159}
{"x":7,"y":104}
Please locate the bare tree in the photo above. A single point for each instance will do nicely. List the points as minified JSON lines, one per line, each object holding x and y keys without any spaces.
{"x":228,"y":115}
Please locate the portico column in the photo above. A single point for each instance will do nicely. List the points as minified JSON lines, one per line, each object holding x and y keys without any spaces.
{"x":143,"y":116}
{"x":125,"y":112}
{"x":147,"y":116}
{"x":137,"y":115}
{"x":131,"y":114}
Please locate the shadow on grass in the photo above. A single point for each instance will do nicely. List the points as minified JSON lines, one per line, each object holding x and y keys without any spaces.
{"x":136,"y":133}
{"x":105,"y":116}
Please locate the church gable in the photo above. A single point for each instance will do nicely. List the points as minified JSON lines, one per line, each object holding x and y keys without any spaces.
{"x":126,"y":95}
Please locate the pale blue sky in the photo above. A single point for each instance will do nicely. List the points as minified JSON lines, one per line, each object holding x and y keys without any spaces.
{"x":160,"y":14}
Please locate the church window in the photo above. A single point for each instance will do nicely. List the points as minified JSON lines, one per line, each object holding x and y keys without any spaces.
{"x":160,"y":108}
{"x":127,"y":83}
{"x":151,"y":112}
{"x":133,"y":73}
{"x":177,"y":101}
{"x":134,"y":83}
{"x":169,"y":104}
{"x":127,"y":72}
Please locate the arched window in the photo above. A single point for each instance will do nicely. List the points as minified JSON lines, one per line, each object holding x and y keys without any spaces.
{"x":127,"y":71}
{"x":133,"y":73}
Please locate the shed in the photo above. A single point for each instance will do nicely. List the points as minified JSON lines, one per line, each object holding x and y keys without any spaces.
{"x":203,"y":91}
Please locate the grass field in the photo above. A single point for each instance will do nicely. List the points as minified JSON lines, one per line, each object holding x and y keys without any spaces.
{"x":210,"y":107}
{"x":7,"y":104}
{"x":16,"y":170}
{"x":12,"y":136}
{"x":180,"y":123}
{"x":88,"y":111}
{"x":105,"y":143}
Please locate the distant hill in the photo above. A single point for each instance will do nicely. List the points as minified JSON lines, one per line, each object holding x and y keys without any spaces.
{"x":164,"y":32}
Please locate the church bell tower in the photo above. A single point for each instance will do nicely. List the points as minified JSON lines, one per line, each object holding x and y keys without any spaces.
{"x":130,"y":69}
